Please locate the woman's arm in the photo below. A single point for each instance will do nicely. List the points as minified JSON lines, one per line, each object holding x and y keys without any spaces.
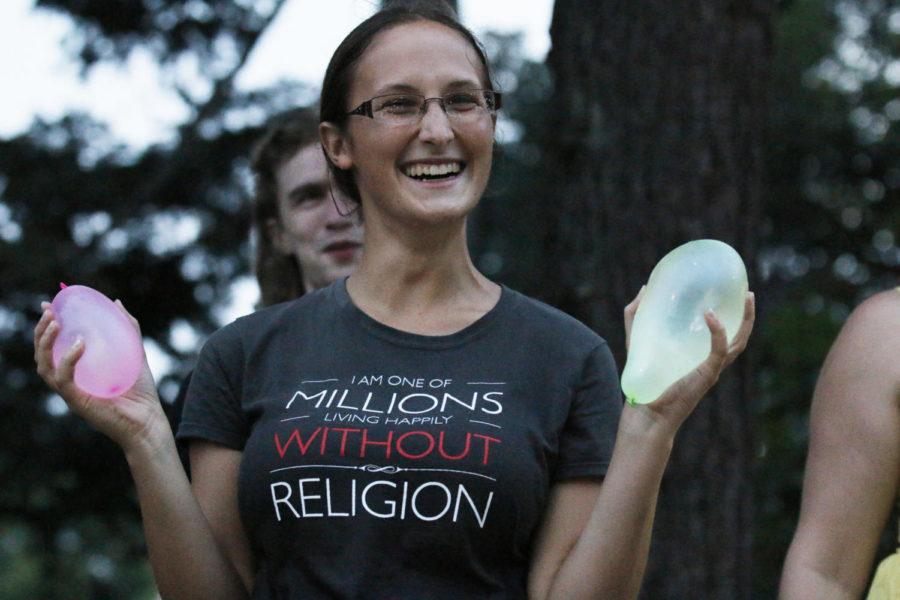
{"x":595,"y":537}
{"x":187,"y":562}
{"x":215,"y":484}
{"x":853,"y":467}
{"x":568,"y":510}
{"x":603,"y":556}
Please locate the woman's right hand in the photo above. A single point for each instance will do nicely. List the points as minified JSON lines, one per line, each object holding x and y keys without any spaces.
{"x":135,"y":420}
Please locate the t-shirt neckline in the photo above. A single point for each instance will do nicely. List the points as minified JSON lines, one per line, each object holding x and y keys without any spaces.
{"x":414,"y":340}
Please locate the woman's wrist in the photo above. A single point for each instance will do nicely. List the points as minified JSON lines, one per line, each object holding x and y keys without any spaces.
{"x":156,"y":443}
{"x":642,"y":425}
{"x":642,"y":451}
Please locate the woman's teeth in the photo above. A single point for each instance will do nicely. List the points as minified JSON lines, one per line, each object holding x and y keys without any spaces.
{"x":421,"y":171}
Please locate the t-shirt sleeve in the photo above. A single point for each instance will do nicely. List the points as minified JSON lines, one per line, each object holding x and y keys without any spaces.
{"x":586,"y":442}
{"x":212,"y":408}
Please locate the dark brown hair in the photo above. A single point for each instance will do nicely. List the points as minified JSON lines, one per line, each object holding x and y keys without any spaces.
{"x":339,"y":75}
{"x":279,"y":275}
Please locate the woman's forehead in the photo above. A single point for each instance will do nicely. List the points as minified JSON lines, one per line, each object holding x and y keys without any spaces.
{"x":417,"y":54}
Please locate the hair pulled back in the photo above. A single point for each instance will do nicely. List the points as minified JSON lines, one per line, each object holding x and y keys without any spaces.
{"x":341,"y":69}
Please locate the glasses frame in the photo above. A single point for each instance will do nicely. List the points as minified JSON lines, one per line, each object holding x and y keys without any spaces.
{"x":365,"y":109}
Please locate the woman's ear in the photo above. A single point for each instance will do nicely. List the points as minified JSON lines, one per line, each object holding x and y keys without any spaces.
{"x":336,"y":146}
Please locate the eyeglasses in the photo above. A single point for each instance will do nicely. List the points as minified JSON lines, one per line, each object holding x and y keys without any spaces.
{"x":407,"y":109}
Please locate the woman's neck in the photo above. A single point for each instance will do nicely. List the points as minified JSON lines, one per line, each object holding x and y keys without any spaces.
{"x":422,"y":284}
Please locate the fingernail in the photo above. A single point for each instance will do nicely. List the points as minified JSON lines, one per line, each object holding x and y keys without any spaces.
{"x":79,"y":342}
{"x":752,"y":296}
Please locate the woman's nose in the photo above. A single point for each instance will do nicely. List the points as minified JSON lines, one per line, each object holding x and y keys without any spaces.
{"x":435,"y":125}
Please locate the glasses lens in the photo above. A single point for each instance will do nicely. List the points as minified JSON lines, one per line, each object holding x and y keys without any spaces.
{"x":405,"y":109}
{"x":490,"y":100}
{"x":469,"y":105}
{"x":463,"y":102}
{"x":397,"y":108}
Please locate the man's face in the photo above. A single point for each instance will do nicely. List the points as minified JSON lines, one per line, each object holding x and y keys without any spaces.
{"x":326,"y":244}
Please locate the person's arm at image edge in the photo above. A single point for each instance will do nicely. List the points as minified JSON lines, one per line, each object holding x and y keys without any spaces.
{"x":853,"y":466}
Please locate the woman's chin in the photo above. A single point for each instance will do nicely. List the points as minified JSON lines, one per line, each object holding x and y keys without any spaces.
{"x":450,"y":200}
{"x":443,"y":209}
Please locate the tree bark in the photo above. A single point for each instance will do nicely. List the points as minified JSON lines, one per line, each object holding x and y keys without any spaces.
{"x":659,"y":119}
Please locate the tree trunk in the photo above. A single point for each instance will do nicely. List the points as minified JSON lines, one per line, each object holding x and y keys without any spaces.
{"x":659,"y":117}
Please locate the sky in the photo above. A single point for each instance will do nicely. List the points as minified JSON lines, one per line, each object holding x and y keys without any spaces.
{"x":40,"y":79}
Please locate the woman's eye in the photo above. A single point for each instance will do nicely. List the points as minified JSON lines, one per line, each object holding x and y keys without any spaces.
{"x":397,"y":105}
{"x":463,"y":101}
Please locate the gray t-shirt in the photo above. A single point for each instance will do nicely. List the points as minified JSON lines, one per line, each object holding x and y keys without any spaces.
{"x":381,"y":464}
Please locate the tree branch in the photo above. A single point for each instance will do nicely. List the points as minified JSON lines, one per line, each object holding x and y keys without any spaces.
{"x":182,"y":159}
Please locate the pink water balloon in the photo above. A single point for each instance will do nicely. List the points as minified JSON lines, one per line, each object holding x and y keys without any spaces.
{"x":113,"y":353}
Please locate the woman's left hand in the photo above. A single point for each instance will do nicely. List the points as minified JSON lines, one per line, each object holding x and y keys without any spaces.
{"x":678,"y":401}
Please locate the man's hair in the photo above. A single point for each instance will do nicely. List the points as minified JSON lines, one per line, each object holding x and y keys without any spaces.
{"x":279,"y":275}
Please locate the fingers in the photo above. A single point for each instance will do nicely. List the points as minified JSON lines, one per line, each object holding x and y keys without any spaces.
{"x":45,"y":333}
{"x":742,"y":337}
{"x":65,"y":370}
{"x":630,"y":311}
{"x":707,"y":374}
{"x":691,"y":388}
{"x":633,"y":305}
{"x":719,"y":343}
{"x":60,"y":376}
{"x":122,"y":308}
{"x":40,"y":328}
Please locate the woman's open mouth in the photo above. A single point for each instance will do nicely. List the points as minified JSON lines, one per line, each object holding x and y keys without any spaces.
{"x":434,"y":171}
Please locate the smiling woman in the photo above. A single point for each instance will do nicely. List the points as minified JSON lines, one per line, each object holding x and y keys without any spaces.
{"x":451,"y":436}
{"x":450,"y":108}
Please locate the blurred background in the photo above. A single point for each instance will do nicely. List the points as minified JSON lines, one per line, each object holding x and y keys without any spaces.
{"x":628,"y":128}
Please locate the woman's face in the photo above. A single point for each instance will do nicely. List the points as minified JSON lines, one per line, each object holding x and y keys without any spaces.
{"x":430,"y":59}
{"x":326,"y":244}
